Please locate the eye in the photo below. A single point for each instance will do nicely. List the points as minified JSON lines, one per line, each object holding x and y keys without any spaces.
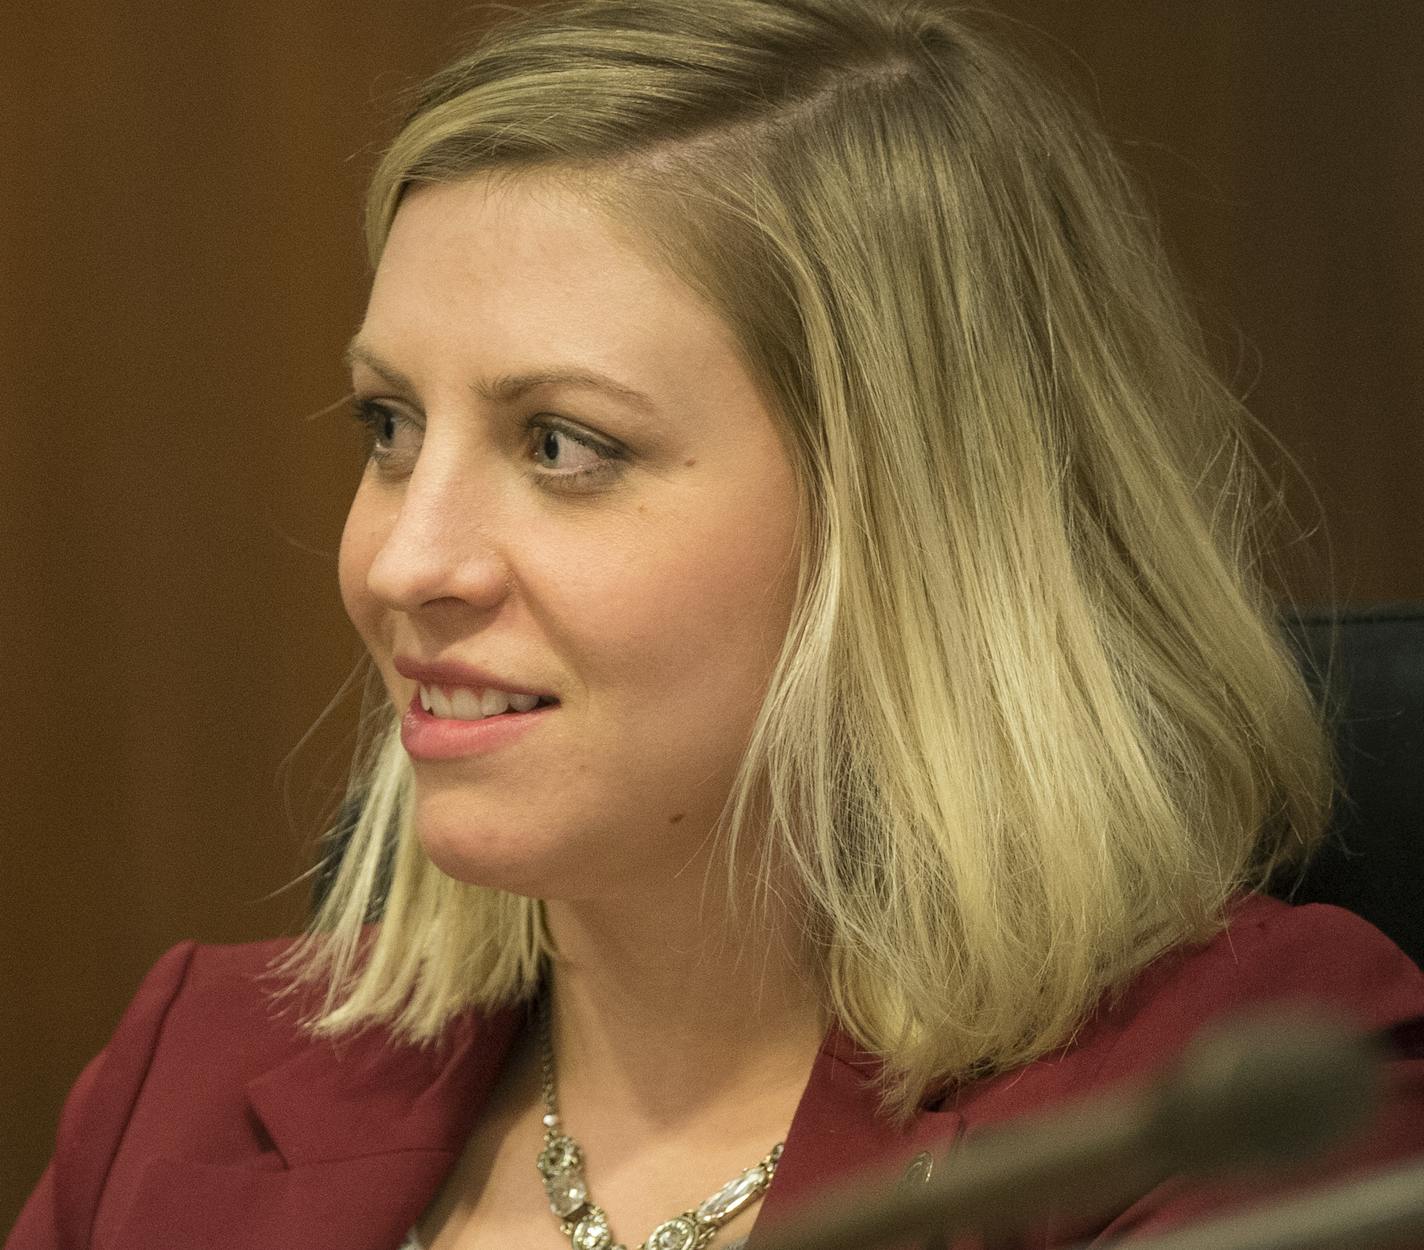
{"x":555,"y":439}
{"x":551,"y":441}
{"x":382,"y":426}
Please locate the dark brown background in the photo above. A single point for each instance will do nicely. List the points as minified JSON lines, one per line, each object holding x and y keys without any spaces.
{"x":180,"y":265}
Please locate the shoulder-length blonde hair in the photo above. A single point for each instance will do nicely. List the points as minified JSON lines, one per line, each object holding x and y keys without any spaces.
{"x":1034,"y":721}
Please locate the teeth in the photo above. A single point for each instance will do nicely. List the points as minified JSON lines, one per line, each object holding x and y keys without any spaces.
{"x":462,"y":703}
{"x":492,"y":703}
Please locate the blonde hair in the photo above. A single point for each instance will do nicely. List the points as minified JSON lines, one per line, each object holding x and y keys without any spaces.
{"x":1034,"y":721}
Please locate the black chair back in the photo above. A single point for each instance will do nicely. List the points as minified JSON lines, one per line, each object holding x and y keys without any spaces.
{"x":1373,"y":861}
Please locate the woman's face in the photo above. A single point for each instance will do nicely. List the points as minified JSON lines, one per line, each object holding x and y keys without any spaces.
{"x":648,"y":591}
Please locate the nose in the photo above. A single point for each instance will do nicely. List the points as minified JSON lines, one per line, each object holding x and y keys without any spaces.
{"x":442,"y":543}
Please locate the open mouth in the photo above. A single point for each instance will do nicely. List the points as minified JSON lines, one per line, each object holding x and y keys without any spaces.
{"x":465,"y":704}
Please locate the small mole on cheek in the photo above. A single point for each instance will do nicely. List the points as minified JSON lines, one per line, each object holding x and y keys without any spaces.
{"x":689,"y":463}
{"x":672,"y":820}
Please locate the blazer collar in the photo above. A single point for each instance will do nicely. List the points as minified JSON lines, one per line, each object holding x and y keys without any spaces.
{"x":376,"y":1098}
{"x":364,"y":1133}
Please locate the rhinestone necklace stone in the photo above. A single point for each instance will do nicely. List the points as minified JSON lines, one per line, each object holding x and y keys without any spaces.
{"x":585,"y":1223}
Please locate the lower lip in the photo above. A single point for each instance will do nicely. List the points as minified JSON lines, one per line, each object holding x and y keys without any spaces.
{"x":427,"y":737}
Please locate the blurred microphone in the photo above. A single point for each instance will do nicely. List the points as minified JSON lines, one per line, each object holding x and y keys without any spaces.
{"x":1384,"y":1209}
{"x":1266,"y":1087}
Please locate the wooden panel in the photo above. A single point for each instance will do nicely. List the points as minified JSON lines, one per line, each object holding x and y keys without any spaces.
{"x":180,"y":266}
{"x":1280,"y":142}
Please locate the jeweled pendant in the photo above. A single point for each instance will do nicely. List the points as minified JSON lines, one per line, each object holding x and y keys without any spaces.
{"x":592,"y":1232}
{"x":567,"y":1191}
{"x":678,"y":1233}
{"x":733,"y":1196}
{"x":560,"y":1154}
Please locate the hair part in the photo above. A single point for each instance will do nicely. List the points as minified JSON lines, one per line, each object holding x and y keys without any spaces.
{"x":1033,"y":722}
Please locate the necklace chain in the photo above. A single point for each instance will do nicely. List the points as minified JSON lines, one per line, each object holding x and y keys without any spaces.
{"x":585,"y":1223}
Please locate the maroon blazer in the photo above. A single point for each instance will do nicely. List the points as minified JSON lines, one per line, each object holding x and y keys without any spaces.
{"x":210,"y":1122}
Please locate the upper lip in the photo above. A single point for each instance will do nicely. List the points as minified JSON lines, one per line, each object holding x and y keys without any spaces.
{"x":455,"y":673}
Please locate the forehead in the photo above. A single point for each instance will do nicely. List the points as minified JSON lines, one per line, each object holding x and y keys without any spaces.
{"x":521,"y":275}
{"x":486,"y":227}
{"x":532,"y":265}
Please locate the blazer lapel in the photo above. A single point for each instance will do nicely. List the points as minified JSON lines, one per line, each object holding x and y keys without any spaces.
{"x":362,"y":1134}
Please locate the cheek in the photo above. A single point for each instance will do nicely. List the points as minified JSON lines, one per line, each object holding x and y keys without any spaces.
{"x":699,"y":621}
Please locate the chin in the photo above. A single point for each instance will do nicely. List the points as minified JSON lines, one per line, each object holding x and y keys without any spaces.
{"x":490,"y":859}
{"x":476,"y":851}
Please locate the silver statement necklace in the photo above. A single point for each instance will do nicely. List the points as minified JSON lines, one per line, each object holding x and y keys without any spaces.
{"x":585,"y":1223}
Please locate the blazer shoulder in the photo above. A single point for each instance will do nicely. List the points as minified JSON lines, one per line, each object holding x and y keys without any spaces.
{"x":227,"y":984}
{"x":198,"y":1000}
{"x":1316,"y":956}
{"x":1271,"y":950}
{"x":191,"y":988}
{"x":1267,"y":952}
{"x":198,"y":995}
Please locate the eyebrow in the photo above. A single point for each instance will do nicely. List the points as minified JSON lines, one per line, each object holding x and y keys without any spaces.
{"x":510,"y":386}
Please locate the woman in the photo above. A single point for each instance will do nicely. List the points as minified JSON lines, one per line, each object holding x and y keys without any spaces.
{"x":827,"y":704}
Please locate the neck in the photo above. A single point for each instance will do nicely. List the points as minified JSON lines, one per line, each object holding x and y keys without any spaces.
{"x":664,"y":1015}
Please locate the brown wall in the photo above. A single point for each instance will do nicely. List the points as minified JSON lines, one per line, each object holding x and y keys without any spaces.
{"x":180,"y":266}
{"x":1281,"y":142}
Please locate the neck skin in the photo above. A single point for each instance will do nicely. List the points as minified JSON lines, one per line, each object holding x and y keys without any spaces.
{"x":664,"y":1013}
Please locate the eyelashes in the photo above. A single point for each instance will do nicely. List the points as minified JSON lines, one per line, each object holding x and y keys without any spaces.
{"x":382,"y":426}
